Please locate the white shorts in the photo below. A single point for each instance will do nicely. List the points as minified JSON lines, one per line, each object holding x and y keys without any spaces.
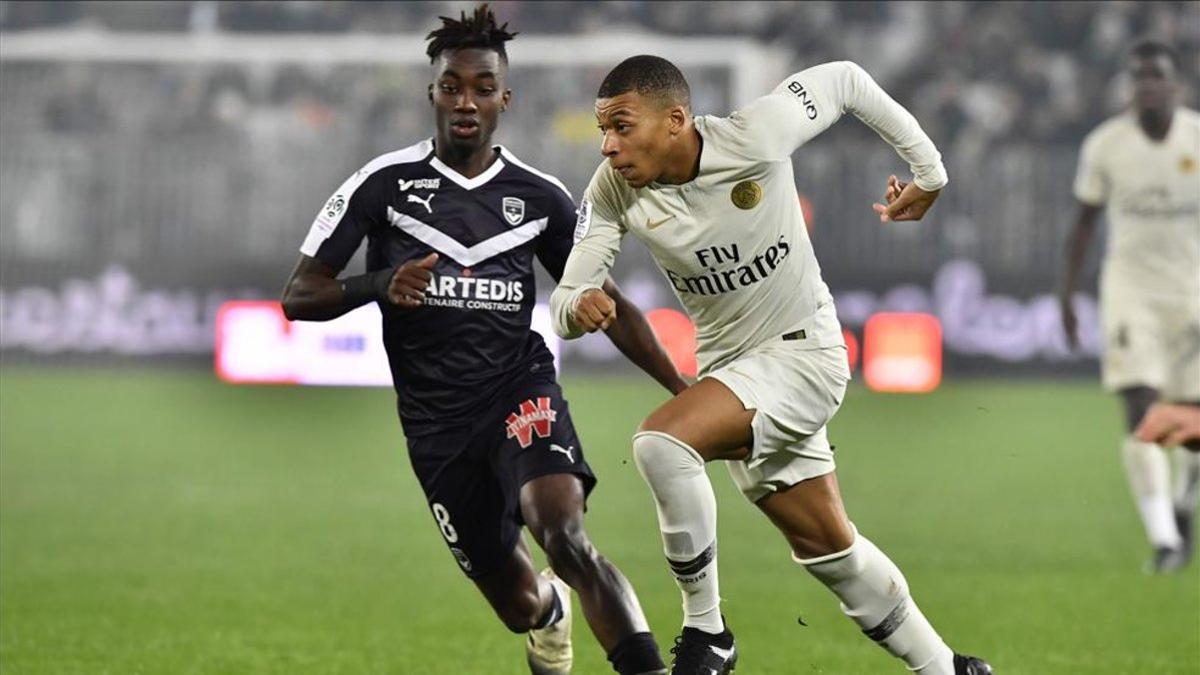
{"x":1151,"y":343}
{"x":795,"y":393}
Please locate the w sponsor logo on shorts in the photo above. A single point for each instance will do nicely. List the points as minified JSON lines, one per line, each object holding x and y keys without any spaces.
{"x":531,"y":418}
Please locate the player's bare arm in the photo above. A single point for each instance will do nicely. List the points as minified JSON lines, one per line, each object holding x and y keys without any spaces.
{"x":314,"y":293}
{"x":1078,"y":242}
{"x":629,"y":330}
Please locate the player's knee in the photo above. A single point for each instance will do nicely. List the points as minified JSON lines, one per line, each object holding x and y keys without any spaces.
{"x":661,"y":455}
{"x":817,"y":545}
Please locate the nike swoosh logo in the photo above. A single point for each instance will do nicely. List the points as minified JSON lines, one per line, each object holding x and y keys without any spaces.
{"x":406,"y":184}
{"x":723,"y":653}
{"x":651,"y":224}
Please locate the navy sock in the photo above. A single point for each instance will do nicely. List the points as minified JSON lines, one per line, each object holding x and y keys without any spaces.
{"x":636,"y":654}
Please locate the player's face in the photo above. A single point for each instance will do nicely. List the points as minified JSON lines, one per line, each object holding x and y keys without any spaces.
{"x":468,"y":96}
{"x":1153,"y":82}
{"x":637,"y":135}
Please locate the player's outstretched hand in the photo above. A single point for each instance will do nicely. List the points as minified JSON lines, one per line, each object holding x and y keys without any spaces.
{"x":410,"y":280}
{"x":594,"y":310}
{"x":904,"y":201}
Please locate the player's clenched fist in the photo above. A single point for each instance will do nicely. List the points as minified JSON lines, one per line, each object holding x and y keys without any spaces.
{"x":594,"y":310}
{"x":408,"y":284}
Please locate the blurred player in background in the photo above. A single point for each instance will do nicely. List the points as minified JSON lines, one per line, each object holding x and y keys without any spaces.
{"x":1144,"y":166}
{"x":714,"y":199}
{"x":453,"y":225}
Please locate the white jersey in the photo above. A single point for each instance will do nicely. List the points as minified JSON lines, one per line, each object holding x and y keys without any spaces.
{"x":1152,"y":190}
{"x":732,"y":243}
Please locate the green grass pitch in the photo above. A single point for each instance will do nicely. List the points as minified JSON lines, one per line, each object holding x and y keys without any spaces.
{"x":167,"y":523}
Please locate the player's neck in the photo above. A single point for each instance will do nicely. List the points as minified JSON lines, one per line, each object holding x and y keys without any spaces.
{"x":470,"y":162}
{"x":684,"y":164}
{"x":1156,"y":123}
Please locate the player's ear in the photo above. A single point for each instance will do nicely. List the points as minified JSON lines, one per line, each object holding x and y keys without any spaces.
{"x":505,"y":99}
{"x":429,"y":92}
{"x":677,"y":118}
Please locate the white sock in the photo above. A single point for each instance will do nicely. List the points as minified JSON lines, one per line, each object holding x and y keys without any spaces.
{"x":687,"y":519}
{"x":1187,"y":479}
{"x":875,"y":596}
{"x":1149,"y":472}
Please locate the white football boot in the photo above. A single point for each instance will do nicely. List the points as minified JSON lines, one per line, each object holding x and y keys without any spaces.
{"x":549,"y":648}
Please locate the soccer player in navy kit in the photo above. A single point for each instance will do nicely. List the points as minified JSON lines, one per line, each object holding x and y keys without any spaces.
{"x":452,"y":227}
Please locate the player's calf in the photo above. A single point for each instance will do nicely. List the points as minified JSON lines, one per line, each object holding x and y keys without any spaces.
{"x":687,"y":520}
{"x":571,"y":554}
{"x":552,"y":506}
{"x":875,"y":596}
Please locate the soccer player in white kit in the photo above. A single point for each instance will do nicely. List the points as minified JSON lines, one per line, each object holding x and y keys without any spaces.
{"x":1144,"y":165}
{"x":714,"y":199}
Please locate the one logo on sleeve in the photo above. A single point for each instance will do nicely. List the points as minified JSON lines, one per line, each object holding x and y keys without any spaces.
{"x":334,"y":207}
{"x":806,"y":99}
{"x":514,"y":210}
{"x":532,"y":417}
{"x":583,"y":221}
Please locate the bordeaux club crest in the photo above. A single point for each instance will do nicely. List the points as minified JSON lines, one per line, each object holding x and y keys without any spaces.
{"x":514,"y":210}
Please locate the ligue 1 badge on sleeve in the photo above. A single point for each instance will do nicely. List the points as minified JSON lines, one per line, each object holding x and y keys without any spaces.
{"x":584,"y":220}
{"x":333,"y":207}
{"x":746,"y":194}
{"x":514,"y":210}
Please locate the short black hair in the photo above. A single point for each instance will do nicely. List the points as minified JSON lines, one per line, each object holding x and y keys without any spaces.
{"x":651,"y":76}
{"x":477,"y":32}
{"x":1149,"y":48}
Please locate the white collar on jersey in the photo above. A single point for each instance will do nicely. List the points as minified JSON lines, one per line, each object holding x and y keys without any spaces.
{"x":461,"y":180}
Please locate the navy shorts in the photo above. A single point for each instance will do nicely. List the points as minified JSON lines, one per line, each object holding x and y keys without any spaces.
{"x":472,"y":474}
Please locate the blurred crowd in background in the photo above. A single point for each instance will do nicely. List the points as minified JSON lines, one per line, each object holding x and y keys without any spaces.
{"x":205,"y":174}
{"x":976,"y":74}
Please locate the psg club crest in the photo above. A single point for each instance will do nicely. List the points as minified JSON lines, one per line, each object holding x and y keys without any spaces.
{"x":514,"y":210}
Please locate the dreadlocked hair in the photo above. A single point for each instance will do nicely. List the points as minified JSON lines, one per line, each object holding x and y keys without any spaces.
{"x":478,"y":31}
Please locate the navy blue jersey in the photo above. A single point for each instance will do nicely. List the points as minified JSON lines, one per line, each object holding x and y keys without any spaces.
{"x":472,"y":335}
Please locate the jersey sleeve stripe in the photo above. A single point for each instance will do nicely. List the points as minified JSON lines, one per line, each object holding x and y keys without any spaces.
{"x":335,"y":208}
{"x":558,"y":183}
